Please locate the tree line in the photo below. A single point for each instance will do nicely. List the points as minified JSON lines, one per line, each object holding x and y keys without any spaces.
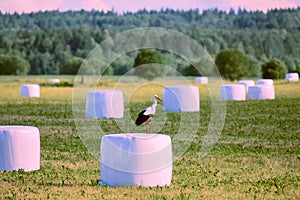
{"x":48,"y":40}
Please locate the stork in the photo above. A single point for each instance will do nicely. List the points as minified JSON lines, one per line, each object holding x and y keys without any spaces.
{"x":146,"y":114}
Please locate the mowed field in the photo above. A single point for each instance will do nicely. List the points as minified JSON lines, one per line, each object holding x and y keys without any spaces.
{"x":256,"y":157}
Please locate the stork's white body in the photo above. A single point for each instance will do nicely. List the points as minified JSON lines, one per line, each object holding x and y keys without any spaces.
{"x":147,"y":113}
{"x":151,"y":110}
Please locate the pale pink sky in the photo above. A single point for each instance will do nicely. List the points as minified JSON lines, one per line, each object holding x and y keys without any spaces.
{"x":121,"y":6}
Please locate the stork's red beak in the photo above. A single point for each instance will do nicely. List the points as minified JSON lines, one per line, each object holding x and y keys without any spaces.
{"x":159,"y":99}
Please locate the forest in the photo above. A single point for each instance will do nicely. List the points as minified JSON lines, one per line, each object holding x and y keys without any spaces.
{"x":47,"y":40}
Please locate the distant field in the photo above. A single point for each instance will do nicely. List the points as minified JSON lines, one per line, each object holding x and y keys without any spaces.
{"x":257,"y":156}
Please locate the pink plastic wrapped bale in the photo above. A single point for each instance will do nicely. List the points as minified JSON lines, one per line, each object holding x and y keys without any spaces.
{"x":201,"y":80}
{"x":53,"y":81}
{"x":261,"y":92}
{"x":136,"y":159}
{"x":246,"y":83}
{"x":236,"y":92}
{"x":181,"y":98}
{"x":105,"y":104}
{"x":292,"y":76}
{"x":30,"y":90}
{"x":19,"y":148}
{"x":265,"y":82}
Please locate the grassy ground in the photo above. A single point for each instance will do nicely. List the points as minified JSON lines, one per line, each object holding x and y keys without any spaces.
{"x":257,"y":156}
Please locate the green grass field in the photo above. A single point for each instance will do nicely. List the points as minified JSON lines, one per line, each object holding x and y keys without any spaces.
{"x":256,"y":157}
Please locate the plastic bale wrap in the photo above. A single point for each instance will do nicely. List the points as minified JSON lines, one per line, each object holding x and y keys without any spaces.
{"x":236,"y":92}
{"x":19,"y":148}
{"x":30,"y":90}
{"x":246,"y":83}
{"x":265,"y":82}
{"x":181,"y":98}
{"x":292,"y":76}
{"x":136,"y":159}
{"x":53,"y":80}
{"x":105,"y":104}
{"x":261,"y":92}
{"x":202,"y":80}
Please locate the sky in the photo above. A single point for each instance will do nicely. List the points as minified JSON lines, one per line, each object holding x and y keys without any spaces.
{"x":121,"y":6}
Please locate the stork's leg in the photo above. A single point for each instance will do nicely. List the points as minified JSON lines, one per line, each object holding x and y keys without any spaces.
{"x":147,"y":126}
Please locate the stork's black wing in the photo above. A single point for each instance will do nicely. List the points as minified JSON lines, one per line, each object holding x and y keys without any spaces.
{"x":142,"y":118}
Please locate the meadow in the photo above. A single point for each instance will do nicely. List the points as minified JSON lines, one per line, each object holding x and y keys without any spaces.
{"x":256,"y":157}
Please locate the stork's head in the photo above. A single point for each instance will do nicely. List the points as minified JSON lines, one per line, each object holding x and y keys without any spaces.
{"x":155,"y":98}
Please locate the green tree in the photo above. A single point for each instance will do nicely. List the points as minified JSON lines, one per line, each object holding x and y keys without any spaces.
{"x":254,"y":67}
{"x":191,"y":71}
{"x":145,"y":64}
{"x":72,"y":66}
{"x":297,"y":66}
{"x":232,"y":64}
{"x":122,"y":65}
{"x":109,"y":71}
{"x":95,"y":66}
{"x":273,"y":69}
{"x":13,"y":65}
{"x":49,"y":39}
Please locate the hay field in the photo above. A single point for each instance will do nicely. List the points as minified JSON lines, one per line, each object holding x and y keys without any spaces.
{"x":257,"y":156}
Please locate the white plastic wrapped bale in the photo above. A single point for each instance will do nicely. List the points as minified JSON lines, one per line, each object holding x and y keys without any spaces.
{"x":236,"y":92}
{"x":292,"y":76}
{"x":19,"y":148}
{"x":53,"y":80}
{"x":202,"y":80}
{"x":30,"y":90}
{"x":265,"y":82}
{"x":246,"y":83}
{"x":136,"y":159}
{"x":105,"y":104}
{"x":261,"y":92}
{"x":181,"y":98}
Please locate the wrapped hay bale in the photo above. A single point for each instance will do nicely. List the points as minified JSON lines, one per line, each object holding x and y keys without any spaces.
{"x":53,"y":80}
{"x":105,"y":104}
{"x":19,"y":148}
{"x":246,"y":83}
{"x":235,"y":92}
{"x":30,"y":90}
{"x":265,"y":82}
{"x":261,"y":92}
{"x":181,"y":98}
{"x":202,"y":80}
{"x":292,"y":76}
{"x":136,"y":159}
